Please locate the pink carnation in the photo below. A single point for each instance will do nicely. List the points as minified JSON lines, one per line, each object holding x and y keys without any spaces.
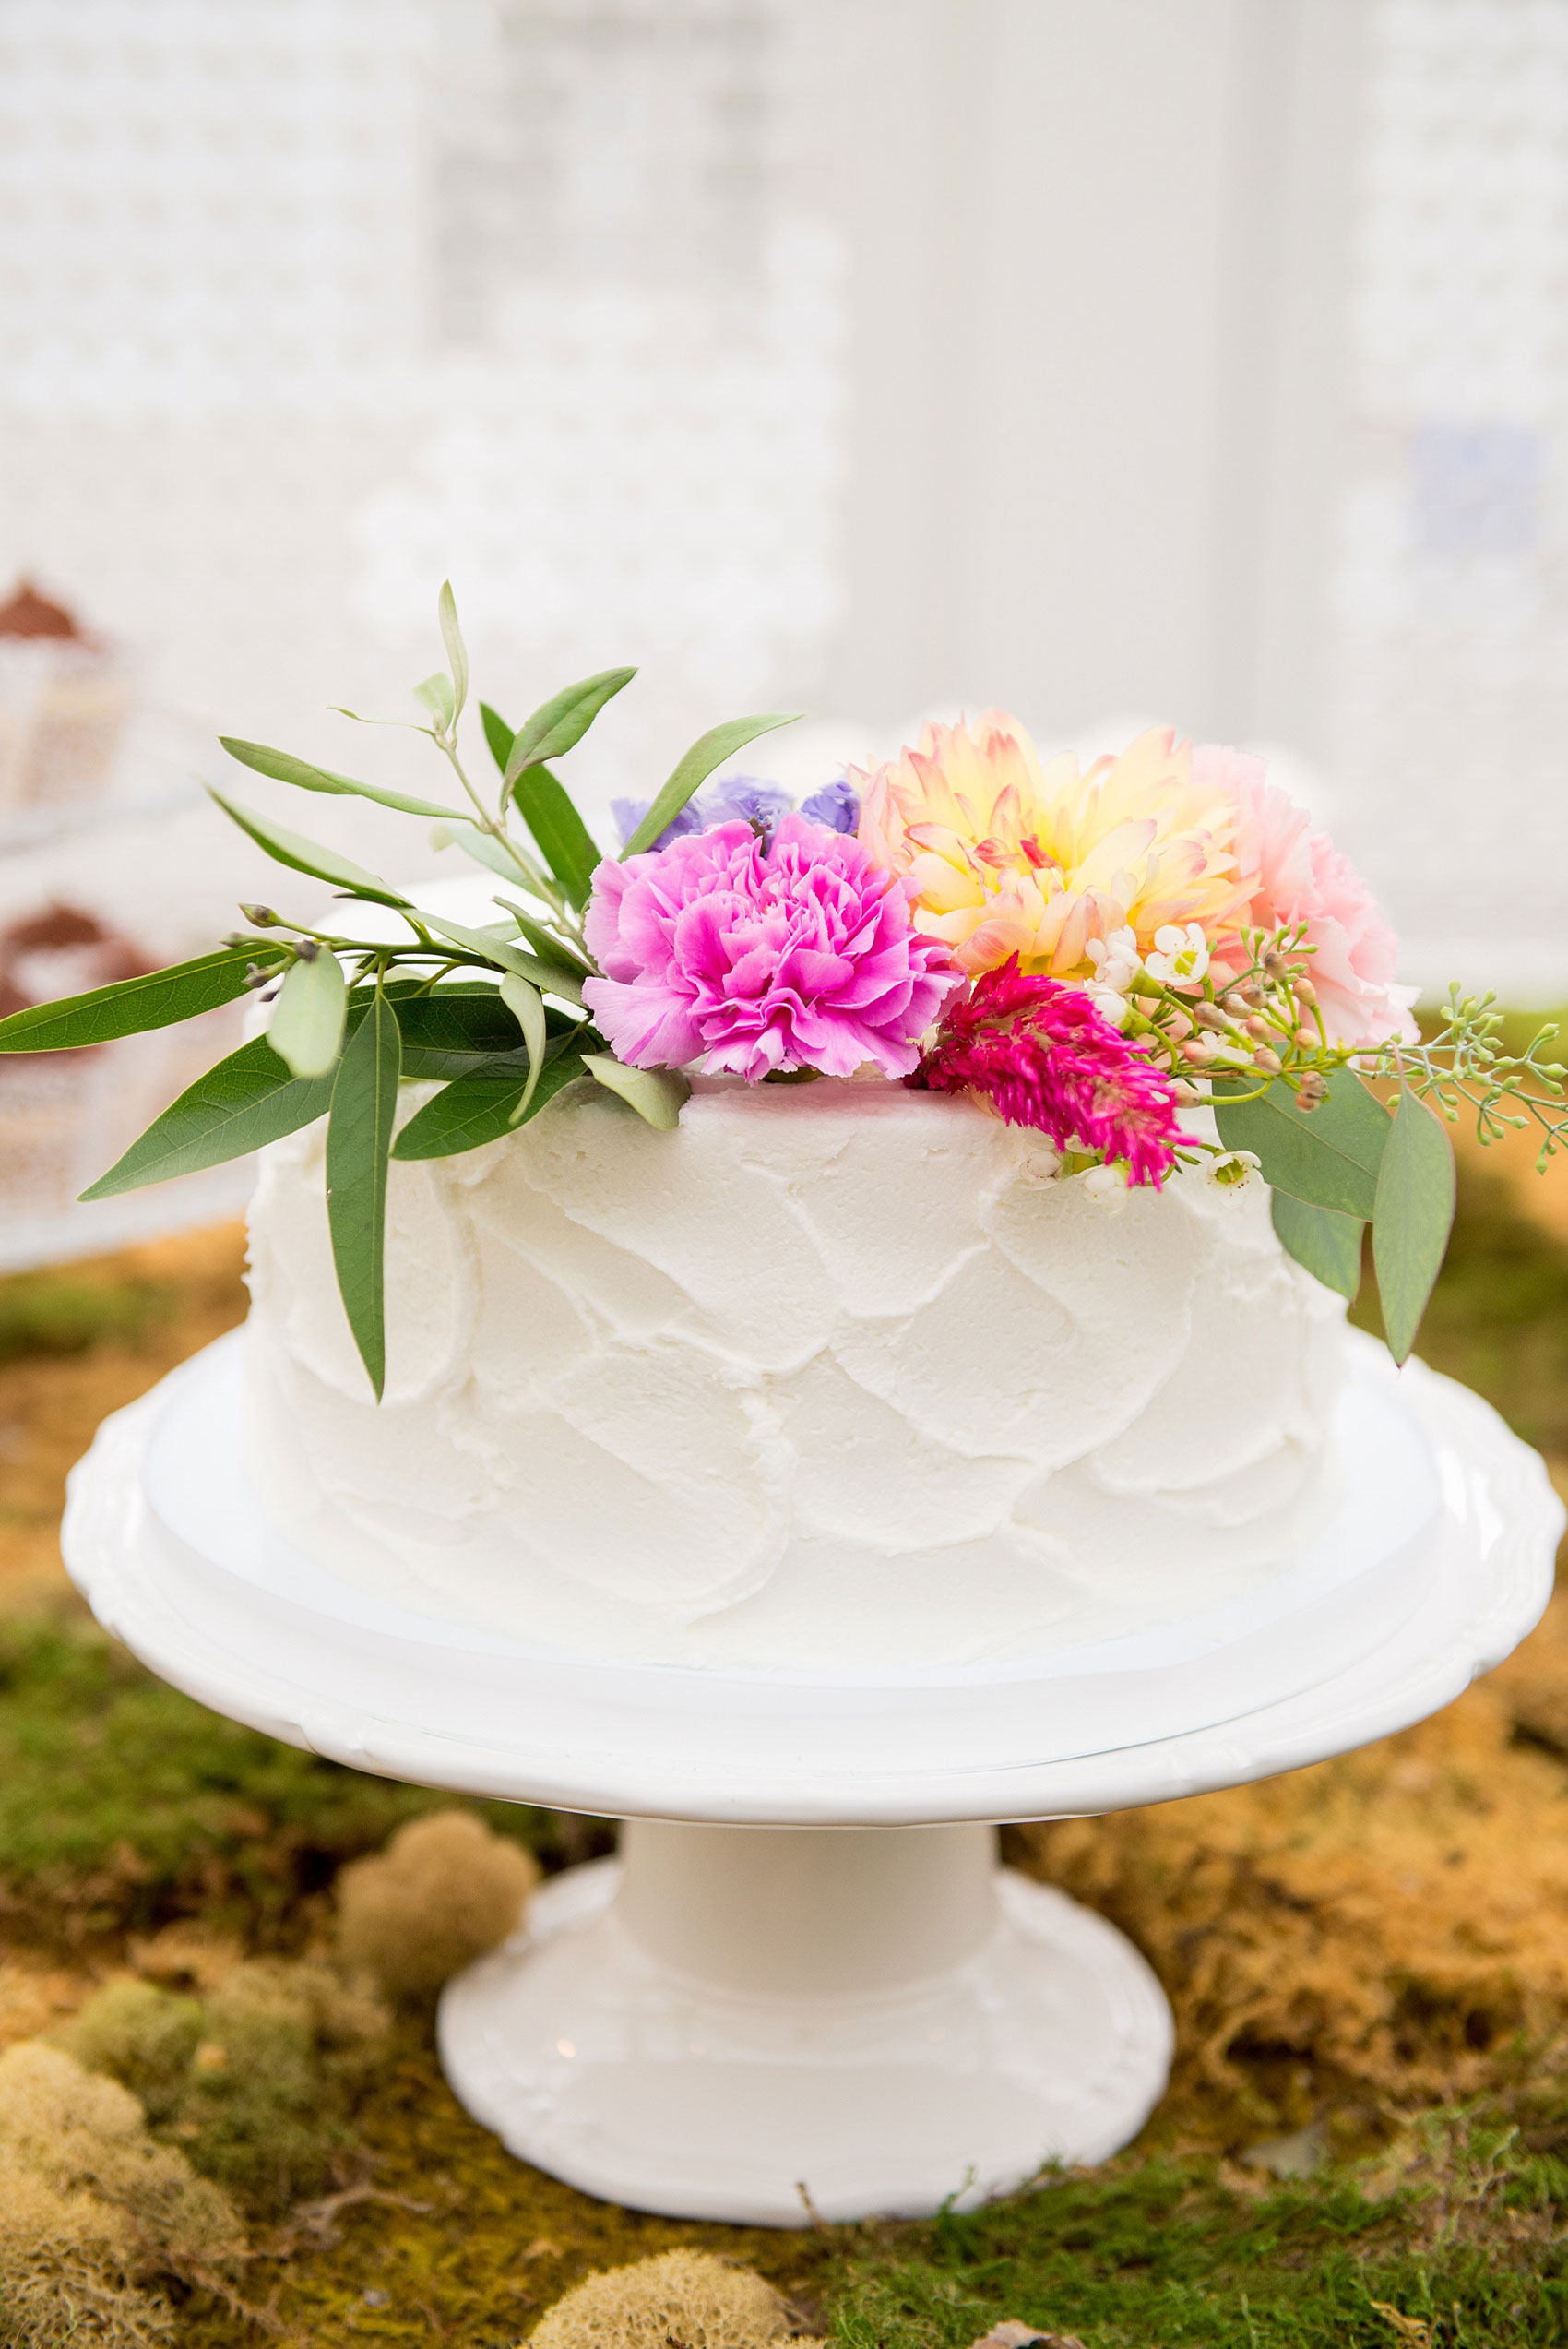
{"x":1042,"y":1055}
{"x":800,"y":954}
{"x":1302,"y":877}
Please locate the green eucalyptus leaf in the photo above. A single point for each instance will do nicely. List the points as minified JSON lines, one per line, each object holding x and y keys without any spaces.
{"x":471,"y":1021}
{"x":400,"y":725}
{"x":1413,"y":1217}
{"x":434,"y":694}
{"x":306,"y":1025}
{"x":156,"y":999}
{"x":441,"y":1068}
{"x":553,"y":977}
{"x":473,"y":1109}
{"x":658,"y":1095}
{"x":1328,"y":1156}
{"x":285,"y":769}
{"x":483,"y":847}
{"x":448,"y":1021}
{"x":693,"y":771}
{"x":561,"y":721}
{"x":524,"y":1002}
{"x":458,"y":1026}
{"x":303,"y":855}
{"x":1329,"y":1246}
{"x":359,"y":1142}
{"x":497,"y":734}
{"x":246,"y":1100}
{"x":545,"y":944}
{"x":456,"y":651}
{"x":568,"y":846}
{"x":482,"y":1107}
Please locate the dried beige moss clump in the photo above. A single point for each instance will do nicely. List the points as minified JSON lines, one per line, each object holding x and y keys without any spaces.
{"x":1384,"y":1930}
{"x":91,"y":2210}
{"x":444,"y":1891}
{"x":67,"y":2263}
{"x":680,"y":2300}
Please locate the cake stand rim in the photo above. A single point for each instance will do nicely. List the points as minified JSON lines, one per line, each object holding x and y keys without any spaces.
{"x":1399,"y":1681}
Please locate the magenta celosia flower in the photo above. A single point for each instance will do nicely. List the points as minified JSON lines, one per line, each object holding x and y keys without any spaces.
{"x":1042,"y":1055}
{"x":799,"y":954}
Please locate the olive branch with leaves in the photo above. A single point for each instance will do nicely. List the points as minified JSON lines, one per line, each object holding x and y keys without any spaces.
{"x":494,"y":1013}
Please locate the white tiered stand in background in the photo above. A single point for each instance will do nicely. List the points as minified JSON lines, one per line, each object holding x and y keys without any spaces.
{"x":151,"y":861}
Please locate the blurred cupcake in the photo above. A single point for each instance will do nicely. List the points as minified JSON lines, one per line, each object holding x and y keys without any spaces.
{"x":63,"y":951}
{"x":65,"y":697}
{"x":64,"y":1115}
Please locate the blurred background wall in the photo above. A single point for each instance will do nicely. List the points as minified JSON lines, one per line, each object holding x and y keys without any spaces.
{"x":1202,"y":360}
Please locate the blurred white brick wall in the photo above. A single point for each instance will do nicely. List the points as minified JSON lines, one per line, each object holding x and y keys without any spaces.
{"x":1202,"y":357}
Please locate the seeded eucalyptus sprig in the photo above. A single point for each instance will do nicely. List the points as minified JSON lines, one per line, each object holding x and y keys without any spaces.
{"x":1257,"y":1051}
{"x":494,"y":1013}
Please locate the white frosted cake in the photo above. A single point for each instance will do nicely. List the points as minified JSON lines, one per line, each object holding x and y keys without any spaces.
{"x":831,"y":1375}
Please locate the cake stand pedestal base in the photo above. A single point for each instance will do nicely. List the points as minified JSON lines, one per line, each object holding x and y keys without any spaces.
{"x":767,"y":2024}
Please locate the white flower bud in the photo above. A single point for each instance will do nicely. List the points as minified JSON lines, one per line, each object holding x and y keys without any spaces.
{"x":1105,"y":1186}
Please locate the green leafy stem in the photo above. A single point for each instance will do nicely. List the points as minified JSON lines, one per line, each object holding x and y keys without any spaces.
{"x":1255,"y":1048}
{"x":494,"y":1014}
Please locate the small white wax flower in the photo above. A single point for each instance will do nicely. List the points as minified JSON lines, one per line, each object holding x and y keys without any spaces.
{"x":1105,"y":1186}
{"x":1116,"y":960}
{"x":1112,"y":1007}
{"x":1181,"y":956}
{"x":1232,"y":1167}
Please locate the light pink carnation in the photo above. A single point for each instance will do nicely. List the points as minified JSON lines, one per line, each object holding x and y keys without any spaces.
{"x":801,"y":954}
{"x":1302,"y":877}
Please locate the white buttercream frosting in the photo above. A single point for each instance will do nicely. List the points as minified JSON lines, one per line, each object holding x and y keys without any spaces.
{"x":834,"y":1374}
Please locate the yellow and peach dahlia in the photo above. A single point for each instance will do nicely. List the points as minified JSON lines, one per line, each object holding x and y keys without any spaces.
{"x":1008,"y":854}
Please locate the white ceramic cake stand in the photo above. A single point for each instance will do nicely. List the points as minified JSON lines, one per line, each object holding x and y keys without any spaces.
{"x":754,"y":2014}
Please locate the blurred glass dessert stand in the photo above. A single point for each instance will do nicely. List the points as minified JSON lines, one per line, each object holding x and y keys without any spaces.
{"x":124,"y":846}
{"x":804,"y":1988}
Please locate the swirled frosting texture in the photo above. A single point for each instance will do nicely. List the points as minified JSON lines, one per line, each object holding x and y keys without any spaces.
{"x":832,"y":1375}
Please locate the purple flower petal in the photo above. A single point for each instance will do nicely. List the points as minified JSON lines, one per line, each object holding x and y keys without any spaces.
{"x":836,"y":804}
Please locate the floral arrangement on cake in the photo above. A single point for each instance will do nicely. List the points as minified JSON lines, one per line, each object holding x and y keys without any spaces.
{"x":1102,"y":954}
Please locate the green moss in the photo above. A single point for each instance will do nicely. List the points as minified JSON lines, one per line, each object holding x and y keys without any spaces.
{"x":54,"y":1313}
{"x":456,"y":2239}
{"x":256,"y":2084}
{"x":123,"y":1804}
{"x":1165,"y":2254}
{"x":464,"y":2242}
{"x":143,"y":2037}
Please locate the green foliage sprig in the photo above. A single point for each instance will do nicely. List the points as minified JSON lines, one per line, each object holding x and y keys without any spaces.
{"x":1256,"y":1050}
{"x":494,"y":1014}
